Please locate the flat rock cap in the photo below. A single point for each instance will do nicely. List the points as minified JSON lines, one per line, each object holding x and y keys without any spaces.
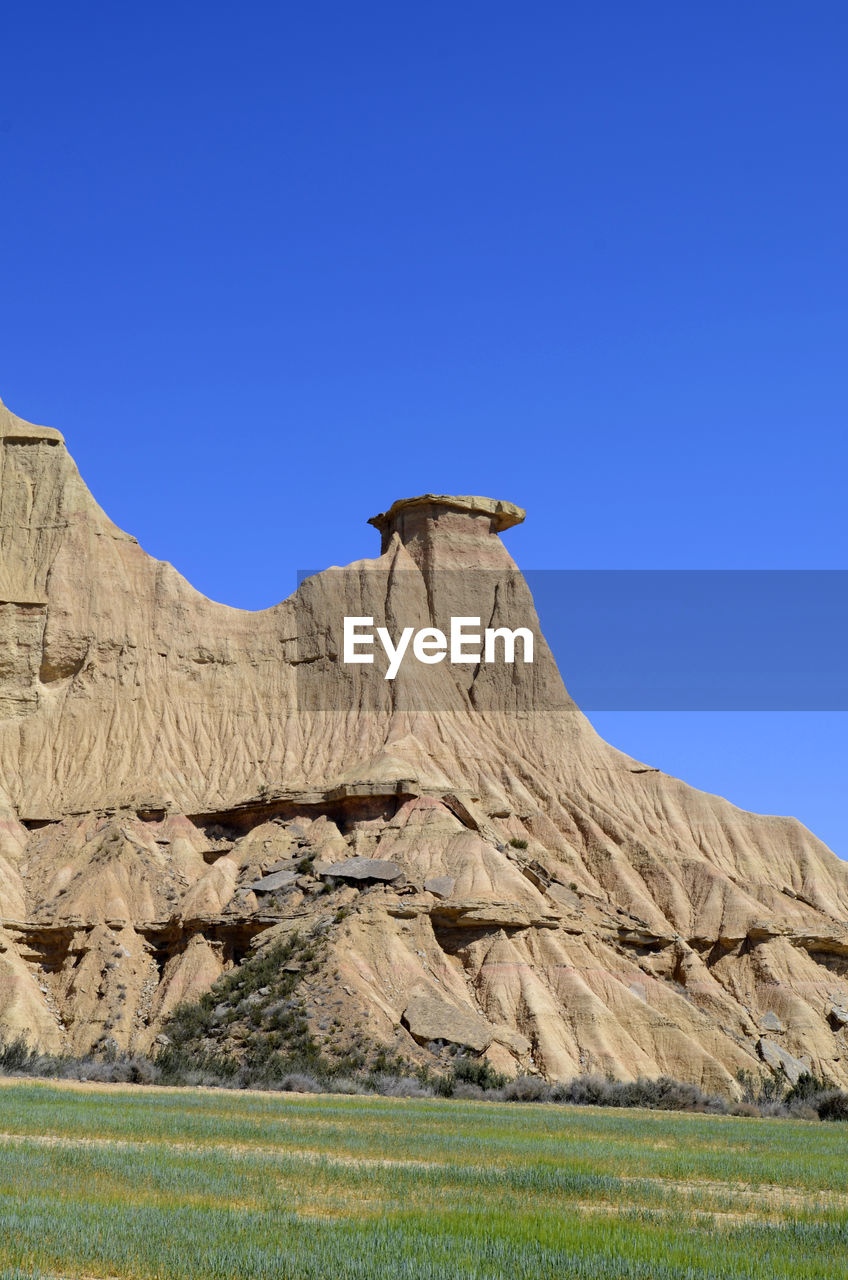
{"x":504,"y":514}
{"x":276,"y":880}
{"x":363,"y":869}
{"x":14,"y":428}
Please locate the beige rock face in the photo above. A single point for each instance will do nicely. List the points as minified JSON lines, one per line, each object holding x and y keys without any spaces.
{"x":428,"y":1017}
{"x":162,"y":755}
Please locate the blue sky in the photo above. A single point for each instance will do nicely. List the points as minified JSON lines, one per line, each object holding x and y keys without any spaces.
{"x":270,"y":268}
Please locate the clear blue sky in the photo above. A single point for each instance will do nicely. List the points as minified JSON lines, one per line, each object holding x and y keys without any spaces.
{"x":271,"y":266}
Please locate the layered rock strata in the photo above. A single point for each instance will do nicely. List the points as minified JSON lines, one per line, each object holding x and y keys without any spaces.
{"x":181,"y":782}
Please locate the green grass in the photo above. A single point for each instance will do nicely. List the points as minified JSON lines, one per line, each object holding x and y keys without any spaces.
{"x":180,"y":1183}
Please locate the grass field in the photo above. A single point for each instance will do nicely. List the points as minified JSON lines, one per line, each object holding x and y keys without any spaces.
{"x":108,"y":1181}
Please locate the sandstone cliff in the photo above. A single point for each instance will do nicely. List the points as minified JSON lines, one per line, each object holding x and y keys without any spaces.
{"x":180,"y":781}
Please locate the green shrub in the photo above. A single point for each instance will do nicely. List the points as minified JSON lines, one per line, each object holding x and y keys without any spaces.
{"x":16,"y":1056}
{"x":476,"y":1072}
{"x":761,"y":1090}
{"x":806,"y":1088}
{"x":832,"y":1105}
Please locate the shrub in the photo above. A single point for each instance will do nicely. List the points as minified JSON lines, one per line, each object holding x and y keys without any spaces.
{"x":17,"y":1056}
{"x":807,"y":1086}
{"x":345,"y":1084}
{"x":832,"y":1105}
{"x":468,"y":1078}
{"x":518,"y":844}
{"x":123,"y":1069}
{"x":663,"y":1094}
{"x":761,"y":1090}
{"x":404,"y":1087}
{"x":803,"y":1111}
{"x":528,"y":1089}
{"x":298,"y":1083}
{"x":745,"y":1109}
{"x":477,"y":1071}
{"x":468,"y":1093}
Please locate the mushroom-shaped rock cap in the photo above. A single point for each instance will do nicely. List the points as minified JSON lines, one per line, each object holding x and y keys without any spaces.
{"x":503,"y":514}
{"x":14,"y":428}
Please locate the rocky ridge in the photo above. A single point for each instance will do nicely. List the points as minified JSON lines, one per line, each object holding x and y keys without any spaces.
{"x":181,"y":782}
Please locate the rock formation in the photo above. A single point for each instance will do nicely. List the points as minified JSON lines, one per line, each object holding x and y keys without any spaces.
{"x":180,"y":781}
